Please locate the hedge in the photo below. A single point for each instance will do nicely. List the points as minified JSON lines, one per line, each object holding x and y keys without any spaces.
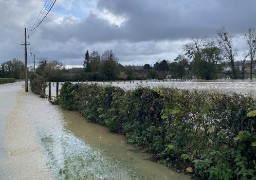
{"x":6,"y":80}
{"x":38,"y":85}
{"x":210,"y":135}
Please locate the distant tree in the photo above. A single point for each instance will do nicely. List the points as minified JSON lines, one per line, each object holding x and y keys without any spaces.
{"x":226,"y":45}
{"x":42,"y":64}
{"x":109,"y":66}
{"x":250,"y":38}
{"x":153,"y":74}
{"x":109,"y":69}
{"x":179,"y":68}
{"x":52,"y":70}
{"x":203,"y":69}
{"x":2,"y":70}
{"x":243,"y":69}
{"x":204,"y":55}
{"x":161,"y":66}
{"x":147,"y":67}
{"x":107,"y":55}
{"x":87,"y":62}
{"x":156,"y":66}
{"x":13,"y":69}
{"x":95,"y":61}
{"x":130,"y":73}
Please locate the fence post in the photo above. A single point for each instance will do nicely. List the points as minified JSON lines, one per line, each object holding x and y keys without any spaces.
{"x":50,"y":91}
{"x":57,"y":89}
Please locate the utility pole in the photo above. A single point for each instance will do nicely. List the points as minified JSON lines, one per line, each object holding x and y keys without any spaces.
{"x":34,"y":63}
{"x":26,"y":62}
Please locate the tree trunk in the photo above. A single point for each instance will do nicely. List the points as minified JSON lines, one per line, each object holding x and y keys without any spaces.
{"x":234,"y":74}
{"x":251,"y":55}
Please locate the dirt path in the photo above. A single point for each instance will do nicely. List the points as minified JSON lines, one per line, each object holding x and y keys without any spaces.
{"x":22,"y":157}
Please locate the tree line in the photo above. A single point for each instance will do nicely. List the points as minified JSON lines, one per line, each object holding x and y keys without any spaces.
{"x":12,"y":69}
{"x":204,"y":58}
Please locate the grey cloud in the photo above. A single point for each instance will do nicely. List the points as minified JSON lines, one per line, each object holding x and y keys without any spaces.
{"x":152,"y":29}
{"x":171,"y":19}
{"x":158,"y":20}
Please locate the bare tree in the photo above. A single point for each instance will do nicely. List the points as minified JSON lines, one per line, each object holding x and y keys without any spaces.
{"x":250,"y":38}
{"x":205,"y":47}
{"x":225,"y":43}
{"x":204,"y":55}
{"x":192,"y":49}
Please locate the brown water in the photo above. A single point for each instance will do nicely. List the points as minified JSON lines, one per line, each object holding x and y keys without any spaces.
{"x":115,"y":148}
{"x":41,"y":141}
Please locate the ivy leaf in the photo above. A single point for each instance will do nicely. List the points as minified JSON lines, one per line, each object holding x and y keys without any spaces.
{"x":251,"y":113}
{"x":189,"y":170}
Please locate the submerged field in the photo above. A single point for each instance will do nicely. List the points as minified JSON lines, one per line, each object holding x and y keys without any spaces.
{"x":210,"y":134}
{"x":245,"y":87}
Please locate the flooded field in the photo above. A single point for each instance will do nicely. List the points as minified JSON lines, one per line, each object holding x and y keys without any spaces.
{"x":41,"y":141}
{"x":245,"y":87}
{"x":226,"y":86}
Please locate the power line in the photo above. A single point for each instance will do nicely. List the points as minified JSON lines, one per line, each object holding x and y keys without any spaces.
{"x":42,"y":13}
{"x":38,"y":17}
{"x":48,"y":5}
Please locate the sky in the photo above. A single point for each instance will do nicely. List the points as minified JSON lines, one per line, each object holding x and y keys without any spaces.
{"x":137,"y":31}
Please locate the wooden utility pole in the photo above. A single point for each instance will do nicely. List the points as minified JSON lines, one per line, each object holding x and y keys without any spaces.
{"x":57,"y":89}
{"x":26,"y":61}
{"x":34,"y":63}
{"x":50,"y":91}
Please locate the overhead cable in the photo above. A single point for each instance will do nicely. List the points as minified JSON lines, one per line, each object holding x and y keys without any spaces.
{"x":48,"y":7}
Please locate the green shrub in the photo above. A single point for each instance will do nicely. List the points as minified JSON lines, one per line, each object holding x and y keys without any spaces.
{"x":69,"y":96}
{"x":211,"y":134}
{"x":6,"y":80}
{"x":143,"y":123}
{"x":38,"y":85}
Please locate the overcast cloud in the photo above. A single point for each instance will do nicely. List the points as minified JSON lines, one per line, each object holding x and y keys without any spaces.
{"x":137,"y":31}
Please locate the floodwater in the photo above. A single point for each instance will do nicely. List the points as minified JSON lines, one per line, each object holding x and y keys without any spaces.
{"x":116,"y":150}
{"x":245,"y":87}
{"x":41,"y":141}
{"x":21,"y":156}
{"x":7,"y":103}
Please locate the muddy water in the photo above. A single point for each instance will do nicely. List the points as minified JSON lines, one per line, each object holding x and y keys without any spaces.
{"x":115,"y":148}
{"x":41,"y":141}
{"x":78,"y":149}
